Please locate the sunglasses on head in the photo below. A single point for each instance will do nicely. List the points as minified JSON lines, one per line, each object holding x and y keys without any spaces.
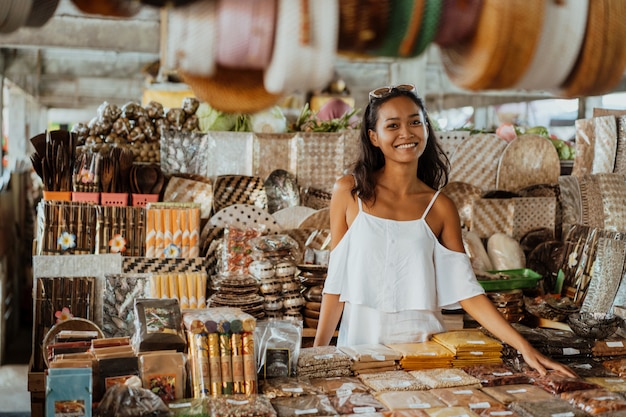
{"x":382,"y":92}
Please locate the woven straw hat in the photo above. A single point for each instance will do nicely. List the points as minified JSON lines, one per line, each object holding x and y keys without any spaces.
{"x":500,"y":50}
{"x":232,"y":90}
{"x":602,"y":58}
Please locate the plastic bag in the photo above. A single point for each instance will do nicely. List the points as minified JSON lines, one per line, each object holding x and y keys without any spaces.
{"x":128,"y":401}
{"x":278,"y":347}
{"x":505,"y":252}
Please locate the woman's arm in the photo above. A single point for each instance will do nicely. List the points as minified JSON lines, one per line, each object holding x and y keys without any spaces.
{"x":480,"y":307}
{"x":331,"y":309}
{"x":330,"y":314}
{"x":483,"y":311}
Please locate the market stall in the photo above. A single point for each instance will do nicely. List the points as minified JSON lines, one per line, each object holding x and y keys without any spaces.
{"x":180,"y":255}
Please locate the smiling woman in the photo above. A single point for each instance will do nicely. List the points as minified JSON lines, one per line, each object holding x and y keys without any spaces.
{"x":398,"y":257}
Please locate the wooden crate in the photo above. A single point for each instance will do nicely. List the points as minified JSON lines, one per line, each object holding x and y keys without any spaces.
{"x":37,"y":389}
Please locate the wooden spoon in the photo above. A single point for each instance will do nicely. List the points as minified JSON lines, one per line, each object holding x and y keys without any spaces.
{"x":158,"y":186}
{"x":146,"y":178}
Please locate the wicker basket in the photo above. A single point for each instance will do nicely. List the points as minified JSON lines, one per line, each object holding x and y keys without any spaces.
{"x":594,"y":326}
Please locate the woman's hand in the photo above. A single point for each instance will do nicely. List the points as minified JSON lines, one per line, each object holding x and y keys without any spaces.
{"x":542,"y":363}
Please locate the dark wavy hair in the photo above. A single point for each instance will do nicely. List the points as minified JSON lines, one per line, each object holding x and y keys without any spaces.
{"x":433,"y":163}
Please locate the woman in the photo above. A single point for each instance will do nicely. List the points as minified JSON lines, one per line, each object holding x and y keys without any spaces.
{"x":398,"y":254}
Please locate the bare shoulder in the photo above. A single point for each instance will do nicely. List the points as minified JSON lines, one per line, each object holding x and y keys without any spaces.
{"x":444,"y":204}
{"x":344,"y":184}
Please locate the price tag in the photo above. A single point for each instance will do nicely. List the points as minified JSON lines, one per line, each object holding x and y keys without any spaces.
{"x":565,"y":414}
{"x":463,"y":392}
{"x":378,"y":357}
{"x":476,"y":342}
{"x":323,"y":357}
{"x":363,"y":410}
{"x":305,"y":411}
{"x":570,"y":351}
{"x":294,"y":389}
{"x":516,"y":391}
{"x":237,"y":402}
{"x":616,"y":344}
{"x":483,"y":404}
{"x":419,"y":405}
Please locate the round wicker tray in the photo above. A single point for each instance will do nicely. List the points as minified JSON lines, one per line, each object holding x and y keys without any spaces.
{"x":75,"y":323}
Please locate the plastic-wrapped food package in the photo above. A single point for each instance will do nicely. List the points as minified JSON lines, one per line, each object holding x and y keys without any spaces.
{"x":405,"y":413}
{"x":476,"y":251}
{"x":127,"y":401}
{"x":277,"y":348}
{"x":339,"y":385}
{"x":288,"y":387}
{"x":595,"y":401}
{"x":451,"y":412}
{"x":445,"y":378}
{"x":491,"y":375}
{"x":309,"y":405}
{"x":556,"y":383}
{"x":589,"y":367}
{"x":553,"y":407}
{"x":617,"y":366}
{"x":355,"y":403}
{"x":505,"y":252}
{"x":158,"y":325}
{"x":409,"y":400}
{"x":371,"y":353}
{"x":507,"y":394}
{"x":239,"y":405}
{"x":613,"y":384}
{"x":474,"y":399}
{"x":392,"y":381}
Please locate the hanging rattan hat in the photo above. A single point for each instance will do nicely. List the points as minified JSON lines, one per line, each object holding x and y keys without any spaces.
{"x":458,"y":21}
{"x":602,"y":59}
{"x":500,"y":50}
{"x":232,"y":90}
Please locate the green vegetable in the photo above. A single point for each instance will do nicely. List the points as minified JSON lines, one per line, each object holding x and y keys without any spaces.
{"x":538,"y":130}
{"x":307,"y":121}
{"x":211,"y":119}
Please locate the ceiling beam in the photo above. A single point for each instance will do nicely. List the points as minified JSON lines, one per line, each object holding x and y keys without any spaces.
{"x":87,"y":32}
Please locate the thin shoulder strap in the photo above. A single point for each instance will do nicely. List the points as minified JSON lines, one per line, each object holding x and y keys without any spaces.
{"x":357,"y":196}
{"x":430,"y":204}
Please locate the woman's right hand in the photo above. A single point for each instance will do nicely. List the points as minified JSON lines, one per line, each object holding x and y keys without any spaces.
{"x":330,"y":313}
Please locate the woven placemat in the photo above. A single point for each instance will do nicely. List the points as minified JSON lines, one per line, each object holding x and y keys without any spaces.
{"x":571,"y":200}
{"x":450,"y":140}
{"x":607,"y":273}
{"x":151,"y":265}
{"x":320,"y":160}
{"x":187,"y":190}
{"x":475,"y":160}
{"x":527,"y":160}
{"x":605,"y":132}
{"x":585,"y":144}
{"x":591,"y":198}
{"x":238,"y":189}
{"x":613,"y":191}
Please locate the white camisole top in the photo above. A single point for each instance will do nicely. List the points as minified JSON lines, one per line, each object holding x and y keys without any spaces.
{"x":394,"y":278}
